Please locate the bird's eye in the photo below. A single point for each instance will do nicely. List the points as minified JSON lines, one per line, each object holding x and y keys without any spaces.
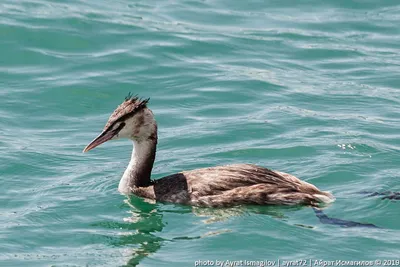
{"x":120,"y":126}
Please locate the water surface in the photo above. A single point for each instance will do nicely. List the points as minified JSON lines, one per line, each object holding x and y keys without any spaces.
{"x":309,"y":88}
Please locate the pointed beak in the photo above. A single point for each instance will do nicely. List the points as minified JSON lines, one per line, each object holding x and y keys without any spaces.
{"x":102,"y":138}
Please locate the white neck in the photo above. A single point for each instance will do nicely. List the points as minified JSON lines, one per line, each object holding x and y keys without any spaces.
{"x":138,"y":172}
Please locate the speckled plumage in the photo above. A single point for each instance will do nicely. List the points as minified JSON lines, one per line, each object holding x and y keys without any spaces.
{"x":220,"y":186}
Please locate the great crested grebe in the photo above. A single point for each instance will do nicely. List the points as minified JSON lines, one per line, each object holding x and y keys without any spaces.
{"x":220,"y":186}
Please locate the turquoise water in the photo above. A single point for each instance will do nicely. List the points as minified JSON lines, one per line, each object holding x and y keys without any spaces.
{"x":306,"y":87}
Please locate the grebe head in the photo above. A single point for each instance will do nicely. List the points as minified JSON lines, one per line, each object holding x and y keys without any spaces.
{"x":132,"y":119}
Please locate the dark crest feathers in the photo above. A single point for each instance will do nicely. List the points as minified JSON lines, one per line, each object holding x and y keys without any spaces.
{"x":135,"y":98}
{"x":129,"y":107}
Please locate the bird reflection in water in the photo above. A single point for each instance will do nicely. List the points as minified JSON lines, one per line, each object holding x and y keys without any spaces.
{"x":145,"y":222}
{"x":141,"y":231}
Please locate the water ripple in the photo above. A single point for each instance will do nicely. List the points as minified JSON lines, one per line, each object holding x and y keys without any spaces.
{"x":310,"y":88}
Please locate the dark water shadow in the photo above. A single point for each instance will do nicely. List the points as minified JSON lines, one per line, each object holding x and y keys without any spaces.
{"x":391,"y":195}
{"x":325,"y":219}
{"x":279,"y":212}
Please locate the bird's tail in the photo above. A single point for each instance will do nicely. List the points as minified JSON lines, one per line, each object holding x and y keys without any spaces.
{"x":324,"y":197}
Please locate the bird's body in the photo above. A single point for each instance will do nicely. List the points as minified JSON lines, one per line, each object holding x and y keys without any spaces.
{"x":219,"y":186}
{"x":230,"y":185}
